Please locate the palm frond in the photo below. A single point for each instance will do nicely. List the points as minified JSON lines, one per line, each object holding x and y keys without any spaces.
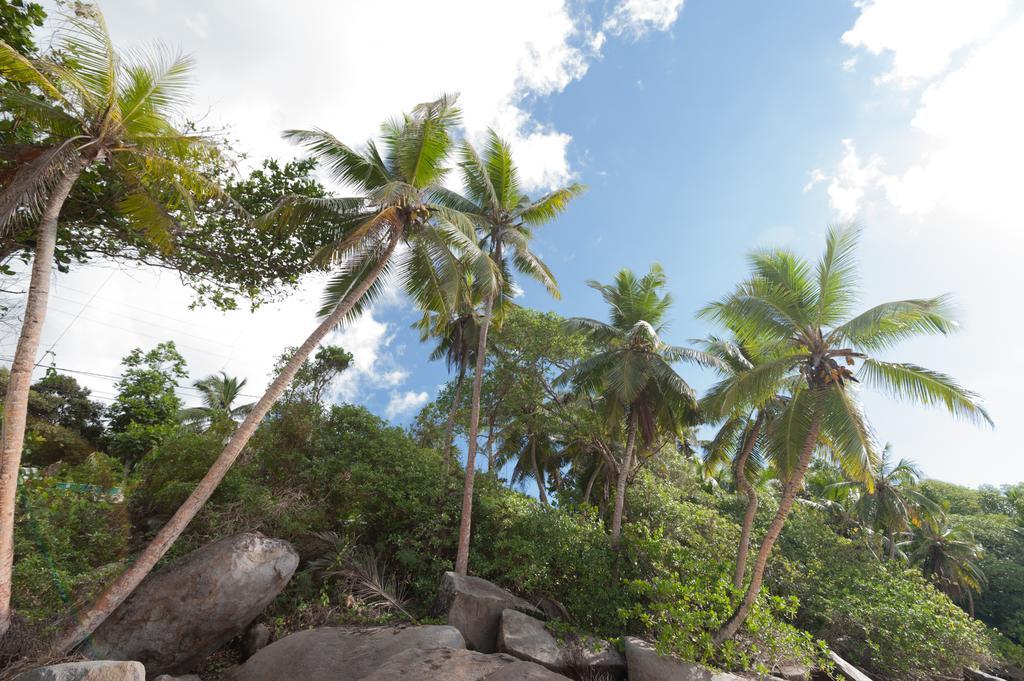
{"x":909,"y":381}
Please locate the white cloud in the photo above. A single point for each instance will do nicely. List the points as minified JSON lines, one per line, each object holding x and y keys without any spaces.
{"x":638,"y":17}
{"x":374,"y":366}
{"x":922,"y":35}
{"x":272,"y":67}
{"x":405,"y":403}
{"x":969,"y":119}
{"x":849,"y":184}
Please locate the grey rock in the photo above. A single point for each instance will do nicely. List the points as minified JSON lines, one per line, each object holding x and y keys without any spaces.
{"x":340,"y":653}
{"x":254,"y":639}
{"x":978,"y":675}
{"x":847,"y":670}
{"x":168,"y":677}
{"x":452,"y":664}
{"x":794,"y":672}
{"x":92,"y":670}
{"x":189,"y":609}
{"x":645,"y":664}
{"x":528,"y":639}
{"x":474,"y":606}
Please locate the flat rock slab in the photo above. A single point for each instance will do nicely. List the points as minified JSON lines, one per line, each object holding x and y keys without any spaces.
{"x":528,"y":639}
{"x":181,"y":614}
{"x":93,"y":670}
{"x":847,"y":670}
{"x":474,"y":606}
{"x":794,"y":672}
{"x":451,"y":664}
{"x":978,"y":675}
{"x":645,"y":664}
{"x":341,"y":653}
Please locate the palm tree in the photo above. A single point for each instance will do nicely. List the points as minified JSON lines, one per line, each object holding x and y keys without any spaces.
{"x":888,"y":502}
{"x":90,"y":105}
{"x":948,"y":555}
{"x":507,"y":217}
{"x":640,"y":393}
{"x":219,"y":393}
{"x":804,"y":312}
{"x":743,"y":437}
{"x":392,"y":210}
{"x":455,"y":326}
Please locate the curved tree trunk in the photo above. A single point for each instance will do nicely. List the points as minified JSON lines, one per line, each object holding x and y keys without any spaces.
{"x":449,"y":427}
{"x":751,"y":513}
{"x":123,"y":586}
{"x":590,"y":485}
{"x":538,"y":474}
{"x":623,"y":477}
{"x":465,"y":524}
{"x":15,"y":412}
{"x":789,"y":493}
{"x":892,"y":544}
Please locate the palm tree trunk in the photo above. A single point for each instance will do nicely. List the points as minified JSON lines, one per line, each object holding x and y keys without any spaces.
{"x":123,"y":586}
{"x":620,"y":483}
{"x":15,"y":412}
{"x":465,"y":524}
{"x":970,"y":602}
{"x":449,"y":427}
{"x":490,"y":445}
{"x":538,"y":474}
{"x":590,"y":485}
{"x":789,"y":493}
{"x":892,"y":544}
{"x":751,"y":512}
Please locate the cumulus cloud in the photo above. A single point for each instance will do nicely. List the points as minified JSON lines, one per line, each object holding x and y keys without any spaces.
{"x":403,"y":404}
{"x":638,"y":17}
{"x":922,"y":35}
{"x":852,"y":179}
{"x":374,"y":364}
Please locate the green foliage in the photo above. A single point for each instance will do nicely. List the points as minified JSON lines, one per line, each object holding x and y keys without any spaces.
{"x":18,"y":19}
{"x":146,"y":406}
{"x":888,"y":620}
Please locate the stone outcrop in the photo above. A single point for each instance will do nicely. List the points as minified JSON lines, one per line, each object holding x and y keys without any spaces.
{"x":459,"y":665}
{"x":474,"y":607}
{"x":255,"y":639}
{"x":645,"y":664}
{"x":92,"y":670}
{"x":189,"y":609}
{"x":528,"y":639}
{"x":341,"y":653}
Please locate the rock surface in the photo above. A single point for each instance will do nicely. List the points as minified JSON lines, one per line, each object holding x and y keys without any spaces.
{"x":255,"y":638}
{"x":341,"y":653}
{"x":847,"y":670}
{"x":978,"y":675}
{"x":168,"y":677}
{"x":528,"y":639}
{"x":645,"y":664}
{"x":189,"y":609}
{"x":95,"y":670}
{"x":794,"y":672}
{"x":450,"y":664}
{"x":474,"y":606}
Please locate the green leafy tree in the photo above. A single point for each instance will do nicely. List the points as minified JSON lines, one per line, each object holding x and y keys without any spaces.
{"x":146,"y":404}
{"x":315,"y":375}
{"x":18,"y":19}
{"x":506,"y":217}
{"x":631,"y":374}
{"x":805,"y":312}
{"x":393,"y":208}
{"x":86,"y":104}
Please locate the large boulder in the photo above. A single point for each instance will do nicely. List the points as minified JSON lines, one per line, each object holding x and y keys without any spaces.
{"x":340,"y":653}
{"x":847,"y":670}
{"x":474,"y":606}
{"x":452,"y":664}
{"x":93,"y":670}
{"x":528,"y":639}
{"x":192,"y":607}
{"x":645,"y":664}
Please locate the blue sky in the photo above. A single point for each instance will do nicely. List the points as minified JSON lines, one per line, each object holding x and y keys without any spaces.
{"x":703,"y":129}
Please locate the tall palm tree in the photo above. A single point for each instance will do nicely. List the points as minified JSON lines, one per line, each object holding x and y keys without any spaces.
{"x":90,"y":105}
{"x":506,"y":217}
{"x":948,"y":555}
{"x":640,"y":392}
{"x":805,"y":312}
{"x":455,"y":323}
{"x":743,"y":437}
{"x":888,"y":502}
{"x":393,"y":210}
{"x":219,"y":394}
